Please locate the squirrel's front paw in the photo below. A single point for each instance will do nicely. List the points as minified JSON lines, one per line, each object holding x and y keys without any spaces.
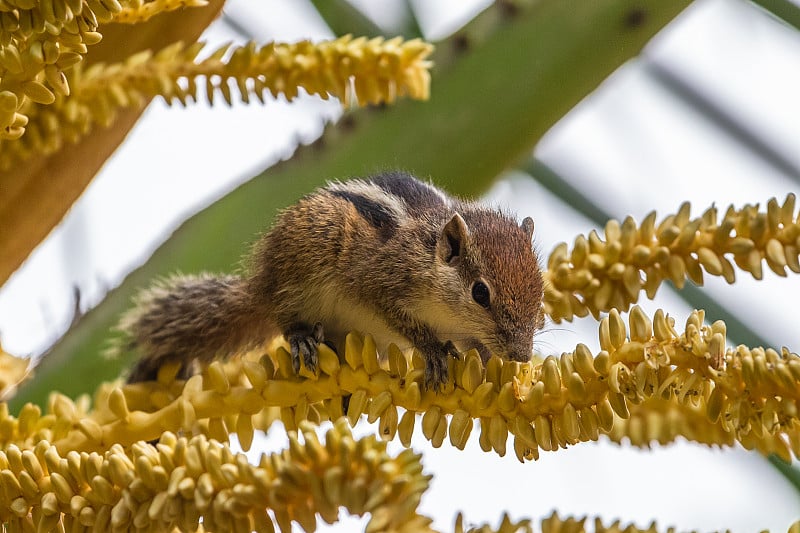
{"x":436,"y":366}
{"x":303,"y":341}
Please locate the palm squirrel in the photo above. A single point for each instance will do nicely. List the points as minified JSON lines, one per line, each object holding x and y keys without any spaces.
{"x":389,"y":255}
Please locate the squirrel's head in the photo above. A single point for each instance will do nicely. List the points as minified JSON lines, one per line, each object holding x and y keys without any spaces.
{"x":494,"y":283}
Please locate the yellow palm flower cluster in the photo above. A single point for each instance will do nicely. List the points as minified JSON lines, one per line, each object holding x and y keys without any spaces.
{"x":506,"y":526}
{"x":600,"y":274}
{"x":140,"y":11}
{"x":13,"y":370}
{"x":557,"y":524}
{"x":648,"y":384}
{"x":365,"y":71}
{"x":42,"y":40}
{"x":178,"y":481}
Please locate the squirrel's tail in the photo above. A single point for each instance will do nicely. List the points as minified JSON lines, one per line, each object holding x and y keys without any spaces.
{"x":191,"y":318}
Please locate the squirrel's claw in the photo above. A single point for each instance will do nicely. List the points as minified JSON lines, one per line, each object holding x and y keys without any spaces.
{"x":435,"y":373}
{"x":436,"y":366}
{"x":303,"y":341}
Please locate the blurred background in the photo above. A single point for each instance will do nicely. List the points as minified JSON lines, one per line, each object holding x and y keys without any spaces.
{"x":708,"y":113}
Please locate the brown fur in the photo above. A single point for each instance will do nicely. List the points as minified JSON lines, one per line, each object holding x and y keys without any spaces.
{"x":372,"y":254}
{"x":188,"y":318}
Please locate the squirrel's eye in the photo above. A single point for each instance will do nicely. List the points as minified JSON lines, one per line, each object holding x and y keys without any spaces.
{"x":480,"y":293}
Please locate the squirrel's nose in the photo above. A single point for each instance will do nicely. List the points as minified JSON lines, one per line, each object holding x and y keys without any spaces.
{"x":520,"y":349}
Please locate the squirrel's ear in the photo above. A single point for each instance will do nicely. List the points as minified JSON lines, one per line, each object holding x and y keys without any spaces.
{"x":453,"y":239}
{"x":527,"y":227}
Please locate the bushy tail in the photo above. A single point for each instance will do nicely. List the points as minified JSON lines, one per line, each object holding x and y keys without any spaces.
{"x":191,"y":318}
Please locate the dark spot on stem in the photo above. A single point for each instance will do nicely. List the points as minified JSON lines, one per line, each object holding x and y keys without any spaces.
{"x":347,"y":123}
{"x":460,"y":44}
{"x":635,"y":18}
{"x":508,"y":8}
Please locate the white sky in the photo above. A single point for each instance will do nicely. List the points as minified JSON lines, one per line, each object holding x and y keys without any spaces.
{"x":631,"y":146}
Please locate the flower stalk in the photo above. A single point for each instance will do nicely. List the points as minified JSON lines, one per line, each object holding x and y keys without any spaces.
{"x":140,"y":11}
{"x":600,"y":274}
{"x":568,"y":524}
{"x":648,"y":383}
{"x":180,"y":481}
{"x":357,"y":71}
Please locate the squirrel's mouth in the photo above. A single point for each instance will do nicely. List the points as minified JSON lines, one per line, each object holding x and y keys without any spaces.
{"x":520,"y":350}
{"x":489,"y":347}
{"x":472,"y":342}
